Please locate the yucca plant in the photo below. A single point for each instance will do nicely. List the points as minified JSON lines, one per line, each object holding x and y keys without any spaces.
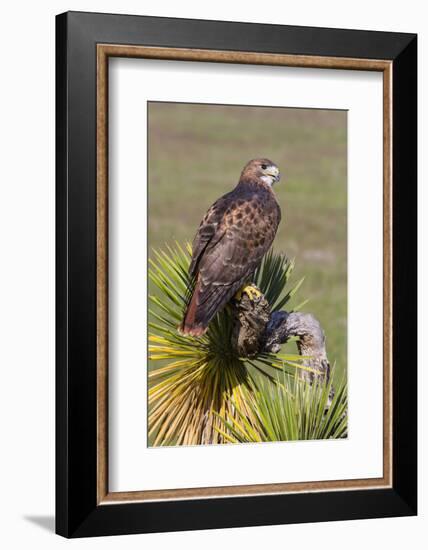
{"x":290,"y":410}
{"x":201,"y":388}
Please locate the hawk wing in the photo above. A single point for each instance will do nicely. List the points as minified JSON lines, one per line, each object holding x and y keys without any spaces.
{"x":229,"y":245}
{"x":209,"y":232}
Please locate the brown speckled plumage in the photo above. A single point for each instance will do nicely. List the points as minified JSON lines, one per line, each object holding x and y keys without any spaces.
{"x":230,"y":243}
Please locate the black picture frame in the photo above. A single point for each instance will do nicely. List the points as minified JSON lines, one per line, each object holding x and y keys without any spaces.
{"x":77,"y":512}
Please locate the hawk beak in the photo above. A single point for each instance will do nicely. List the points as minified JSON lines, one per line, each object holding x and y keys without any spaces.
{"x":275,"y":173}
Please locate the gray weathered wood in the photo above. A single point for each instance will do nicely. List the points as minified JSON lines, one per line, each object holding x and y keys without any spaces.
{"x":256,"y":329}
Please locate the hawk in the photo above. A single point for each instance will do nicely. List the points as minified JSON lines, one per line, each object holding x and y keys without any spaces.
{"x":230,"y":243}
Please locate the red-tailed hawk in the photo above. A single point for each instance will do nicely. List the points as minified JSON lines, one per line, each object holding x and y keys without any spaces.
{"x":230,"y":243}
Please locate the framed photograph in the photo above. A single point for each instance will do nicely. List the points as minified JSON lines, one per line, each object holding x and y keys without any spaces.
{"x":236,"y":274}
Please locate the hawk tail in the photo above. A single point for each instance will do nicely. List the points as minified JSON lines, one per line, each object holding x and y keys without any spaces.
{"x":191,"y":324}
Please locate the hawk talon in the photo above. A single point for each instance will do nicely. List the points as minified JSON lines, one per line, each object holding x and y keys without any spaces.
{"x":251,"y":291}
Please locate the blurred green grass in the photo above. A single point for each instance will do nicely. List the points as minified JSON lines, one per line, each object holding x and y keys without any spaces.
{"x":196,"y":153}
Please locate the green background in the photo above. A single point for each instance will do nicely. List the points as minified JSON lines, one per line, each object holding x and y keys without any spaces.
{"x":196,"y":153}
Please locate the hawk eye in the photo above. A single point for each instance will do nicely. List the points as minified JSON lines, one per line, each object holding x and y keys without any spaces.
{"x":264,"y":166}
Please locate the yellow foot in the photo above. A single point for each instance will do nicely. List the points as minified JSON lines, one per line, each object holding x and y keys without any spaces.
{"x":250,"y":290}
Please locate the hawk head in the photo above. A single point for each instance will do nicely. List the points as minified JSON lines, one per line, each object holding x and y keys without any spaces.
{"x":262,"y":170}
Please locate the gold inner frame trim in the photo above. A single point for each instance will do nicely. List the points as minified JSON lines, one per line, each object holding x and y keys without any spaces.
{"x":104,"y":51}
